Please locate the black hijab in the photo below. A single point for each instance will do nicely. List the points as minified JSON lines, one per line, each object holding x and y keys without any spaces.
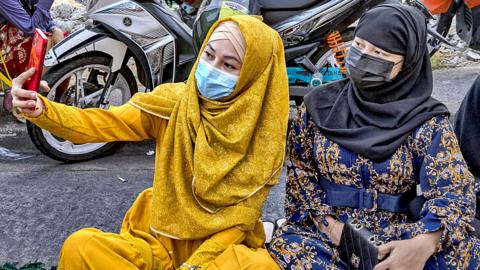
{"x":375,"y":122}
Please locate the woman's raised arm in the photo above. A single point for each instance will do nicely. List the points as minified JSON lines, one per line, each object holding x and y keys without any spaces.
{"x":118,"y":123}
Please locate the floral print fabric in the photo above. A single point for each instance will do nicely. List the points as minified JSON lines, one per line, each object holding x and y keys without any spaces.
{"x":429,"y":157}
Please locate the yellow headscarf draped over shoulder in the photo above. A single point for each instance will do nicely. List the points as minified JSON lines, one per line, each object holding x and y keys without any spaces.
{"x":218,"y":159}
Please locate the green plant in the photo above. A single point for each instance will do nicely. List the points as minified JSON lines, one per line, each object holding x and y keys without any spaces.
{"x":29,"y":266}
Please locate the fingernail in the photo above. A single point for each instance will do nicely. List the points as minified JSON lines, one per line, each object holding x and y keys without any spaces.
{"x":31,"y":104}
{"x":33,"y":95}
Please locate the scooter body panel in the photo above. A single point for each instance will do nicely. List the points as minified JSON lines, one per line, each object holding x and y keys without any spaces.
{"x":87,"y":41}
{"x":299,"y":28}
{"x":156,"y":37}
{"x":122,"y":26}
{"x":437,"y":6}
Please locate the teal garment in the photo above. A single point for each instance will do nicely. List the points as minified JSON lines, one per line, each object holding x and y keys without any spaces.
{"x":430,"y":156}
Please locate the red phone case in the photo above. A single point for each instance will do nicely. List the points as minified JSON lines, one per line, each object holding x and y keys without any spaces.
{"x":37,"y":55}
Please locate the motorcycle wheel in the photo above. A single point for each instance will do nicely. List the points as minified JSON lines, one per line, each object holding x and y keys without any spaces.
{"x":81,"y":77}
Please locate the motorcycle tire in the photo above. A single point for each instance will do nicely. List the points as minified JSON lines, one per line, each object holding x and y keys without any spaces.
{"x":50,"y":145}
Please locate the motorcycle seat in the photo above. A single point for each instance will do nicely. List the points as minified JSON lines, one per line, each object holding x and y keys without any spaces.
{"x":275,"y":11}
{"x":287,"y":4}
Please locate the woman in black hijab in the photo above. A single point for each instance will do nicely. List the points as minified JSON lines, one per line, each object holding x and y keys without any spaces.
{"x":357,"y":150}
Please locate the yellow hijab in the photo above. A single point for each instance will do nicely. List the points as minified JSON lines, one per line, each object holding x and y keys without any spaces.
{"x":218,"y":159}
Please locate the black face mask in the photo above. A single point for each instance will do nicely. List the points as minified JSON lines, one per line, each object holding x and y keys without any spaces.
{"x":368,"y":71}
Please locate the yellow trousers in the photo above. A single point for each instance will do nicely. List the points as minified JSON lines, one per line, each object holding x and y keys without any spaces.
{"x":137,"y":247}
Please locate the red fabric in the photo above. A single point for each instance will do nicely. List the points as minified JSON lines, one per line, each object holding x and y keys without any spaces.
{"x":437,"y":6}
{"x":15,"y":48}
{"x":192,"y":2}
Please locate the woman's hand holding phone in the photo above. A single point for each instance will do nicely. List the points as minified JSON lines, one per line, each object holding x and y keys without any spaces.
{"x":26,"y":86}
{"x":26,"y":101}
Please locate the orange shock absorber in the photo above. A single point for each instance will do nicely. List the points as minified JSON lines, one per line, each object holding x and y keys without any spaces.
{"x":339,"y":50}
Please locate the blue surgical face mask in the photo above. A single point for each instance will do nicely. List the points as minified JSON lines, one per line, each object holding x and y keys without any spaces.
{"x":213,"y":83}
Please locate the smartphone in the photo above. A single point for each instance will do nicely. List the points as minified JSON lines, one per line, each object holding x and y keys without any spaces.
{"x":37,"y":56}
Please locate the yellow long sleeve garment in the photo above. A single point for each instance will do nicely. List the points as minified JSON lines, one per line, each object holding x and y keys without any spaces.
{"x":128,"y":123}
{"x":118,"y":123}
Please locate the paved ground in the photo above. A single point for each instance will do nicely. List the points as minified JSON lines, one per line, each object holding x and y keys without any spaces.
{"x":42,"y":201}
{"x":451,"y":85}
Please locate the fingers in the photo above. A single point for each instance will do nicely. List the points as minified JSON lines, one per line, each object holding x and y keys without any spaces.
{"x":385,"y":265}
{"x":22,"y":78}
{"x":384,"y":250}
{"x":44,"y":86}
{"x":29,"y":112}
{"x":19,"y":93}
{"x":24,"y":104}
{"x":23,"y":99}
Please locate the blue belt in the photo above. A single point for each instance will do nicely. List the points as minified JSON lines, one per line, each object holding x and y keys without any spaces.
{"x":361,"y":198}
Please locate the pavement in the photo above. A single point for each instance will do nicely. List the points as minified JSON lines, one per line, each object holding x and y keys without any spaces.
{"x":42,"y":201}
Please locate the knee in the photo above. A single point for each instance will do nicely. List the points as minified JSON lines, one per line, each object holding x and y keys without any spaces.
{"x":242,"y":257}
{"x":75,"y":244}
{"x":258,"y":259}
{"x":267,"y":264}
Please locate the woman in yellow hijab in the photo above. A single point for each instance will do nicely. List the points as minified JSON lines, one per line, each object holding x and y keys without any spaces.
{"x":220,"y":147}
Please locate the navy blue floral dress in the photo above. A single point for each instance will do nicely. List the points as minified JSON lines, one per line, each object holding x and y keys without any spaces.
{"x":430,"y":157}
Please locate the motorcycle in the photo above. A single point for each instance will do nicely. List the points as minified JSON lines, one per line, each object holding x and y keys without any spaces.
{"x":145,"y":43}
{"x":467,"y":14}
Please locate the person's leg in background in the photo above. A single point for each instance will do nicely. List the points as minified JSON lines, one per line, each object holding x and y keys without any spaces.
{"x":15,"y":51}
{"x":15,"y":48}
